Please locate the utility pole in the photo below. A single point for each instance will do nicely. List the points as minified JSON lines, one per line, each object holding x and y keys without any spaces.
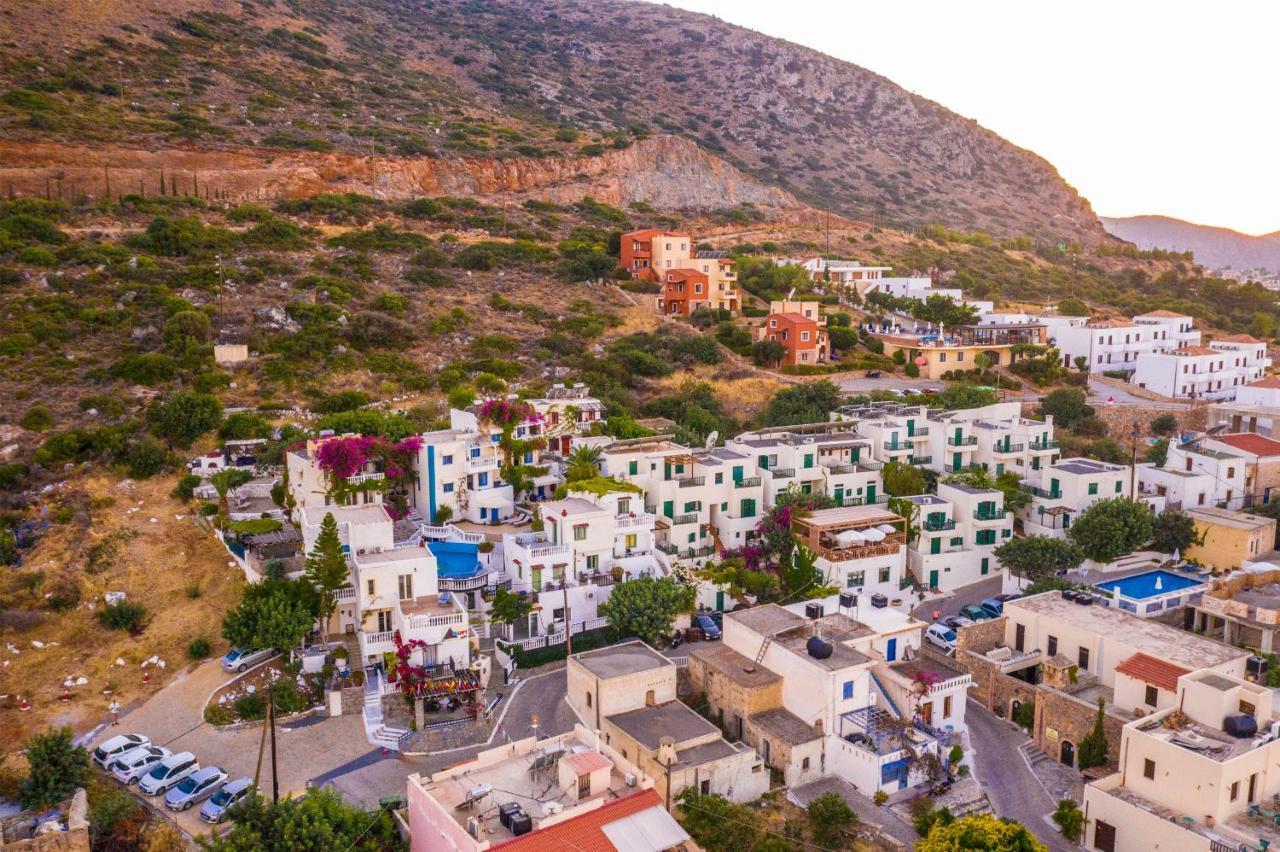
{"x":1133,"y":463}
{"x":262,"y":747}
{"x":568,"y":622}
{"x":271,"y":715}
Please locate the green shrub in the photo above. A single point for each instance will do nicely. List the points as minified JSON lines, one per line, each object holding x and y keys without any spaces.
{"x":37,"y":419}
{"x":149,"y":369}
{"x":38,"y":256}
{"x":185,"y":489}
{"x":217,"y":714}
{"x":126,"y":615}
{"x":250,"y":706}
{"x":198,"y":648}
{"x":145,"y":458}
{"x":289,"y":699}
{"x":585,"y":641}
{"x":208,"y":509}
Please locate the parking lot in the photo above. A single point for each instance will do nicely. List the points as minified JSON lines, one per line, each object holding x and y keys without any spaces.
{"x":305,"y":748}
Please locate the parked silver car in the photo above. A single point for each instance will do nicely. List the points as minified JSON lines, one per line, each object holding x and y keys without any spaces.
{"x":196,"y":787}
{"x":168,"y":772}
{"x":222,"y":801}
{"x":239,"y":659}
{"x":129,"y":767}
{"x":106,"y":753}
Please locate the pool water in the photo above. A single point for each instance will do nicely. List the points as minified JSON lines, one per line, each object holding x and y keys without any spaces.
{"x":1142,"y":586}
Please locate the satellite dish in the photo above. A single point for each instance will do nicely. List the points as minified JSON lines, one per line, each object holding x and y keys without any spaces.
{"x":711,"y":440}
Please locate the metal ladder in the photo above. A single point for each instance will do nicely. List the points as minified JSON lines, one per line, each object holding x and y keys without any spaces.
{"x":764,"y":646}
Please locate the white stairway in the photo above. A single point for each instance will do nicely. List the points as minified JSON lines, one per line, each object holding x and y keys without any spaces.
{"x":379,"y":734}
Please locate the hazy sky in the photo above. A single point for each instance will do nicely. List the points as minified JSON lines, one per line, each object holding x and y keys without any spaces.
{"x":1145,"y":107}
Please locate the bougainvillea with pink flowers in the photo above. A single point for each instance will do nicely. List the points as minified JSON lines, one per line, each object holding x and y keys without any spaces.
{"x":345,"y":456}
{"x":428,"y":681}
{"x":504,"y":412}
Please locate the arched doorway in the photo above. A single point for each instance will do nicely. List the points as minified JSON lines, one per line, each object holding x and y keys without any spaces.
{"x":1067,"y":754}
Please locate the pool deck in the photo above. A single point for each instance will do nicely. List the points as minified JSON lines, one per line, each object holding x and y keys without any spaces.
{"x":1192,"y":582}
{"x":1099,"y":579}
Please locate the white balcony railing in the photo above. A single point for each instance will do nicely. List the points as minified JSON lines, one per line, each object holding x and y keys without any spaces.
{"x":453,"y":619}
{"x":545,"y":550}
{"x":365,"y":477}
{"x":482,"y":464}
{"x":631,"y":521}
{"x":343,"y":595}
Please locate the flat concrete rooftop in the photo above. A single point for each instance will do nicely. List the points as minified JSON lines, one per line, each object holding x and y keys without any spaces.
{"x":732,"y":665}
{"x":620,"y":660}
{"x":648,"y":725}
{"x":1141,"y":634}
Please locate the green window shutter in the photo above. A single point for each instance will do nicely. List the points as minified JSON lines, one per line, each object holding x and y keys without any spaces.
{"x":808,"y":460}
{"x":633,"y":468}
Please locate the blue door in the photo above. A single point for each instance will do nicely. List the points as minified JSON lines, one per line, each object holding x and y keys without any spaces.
{"x":891,"y":650}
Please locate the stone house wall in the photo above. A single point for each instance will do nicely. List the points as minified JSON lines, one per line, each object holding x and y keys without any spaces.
{"x":726,"y":699}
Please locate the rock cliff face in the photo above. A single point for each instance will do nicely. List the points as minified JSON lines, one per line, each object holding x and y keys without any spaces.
{"x":522,"y":89}
{"x":667,"y":172}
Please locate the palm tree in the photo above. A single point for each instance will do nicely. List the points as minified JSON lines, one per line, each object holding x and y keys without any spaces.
{"x":226,"y":481}
{"x":583,"y":463}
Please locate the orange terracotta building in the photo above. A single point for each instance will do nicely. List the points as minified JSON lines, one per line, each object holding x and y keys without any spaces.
{"x":803,"y":339}
{"x":683,"y":292}
{"x":646,"y":254}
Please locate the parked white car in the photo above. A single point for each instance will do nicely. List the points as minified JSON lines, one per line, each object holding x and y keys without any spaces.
{"x":168,"y":772}
{"x":113,"y":748}
{"x":941,"y":637}
{"x":129,"y":767}
{"x":196,"y":787}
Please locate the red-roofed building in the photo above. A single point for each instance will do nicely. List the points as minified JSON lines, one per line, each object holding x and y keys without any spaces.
{"x":635,"y":822}
{"x":804,"y":340}
{"x":1147,"y":683}
{"x":683,"y":292}
{"x":1261,"y":459}
{"x":569,"y":793}
{"x":646,"y":254}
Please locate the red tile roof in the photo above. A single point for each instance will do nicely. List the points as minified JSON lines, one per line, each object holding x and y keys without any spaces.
{"x":1268,"y":382}
{"x":1163,"y":314}
{"x":1258,"y":445}
{"x":583,"y":833}
{"x":1239,"y":338}
{"x":584,"y":763}
{"x":1196,"y":350}
{"x":1154,"y":671}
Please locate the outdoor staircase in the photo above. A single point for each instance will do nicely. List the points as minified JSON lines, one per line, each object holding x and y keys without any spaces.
{"x":884,"y":695}
{"x":379,"y":734}
{"x":1034,"y":755}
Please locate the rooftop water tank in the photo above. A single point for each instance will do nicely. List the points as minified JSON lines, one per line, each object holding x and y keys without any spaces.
{"x":817,"y":648}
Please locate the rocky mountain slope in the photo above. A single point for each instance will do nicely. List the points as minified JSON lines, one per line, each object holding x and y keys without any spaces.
{"x":527,"y":79}
{"x":1216,"y":248}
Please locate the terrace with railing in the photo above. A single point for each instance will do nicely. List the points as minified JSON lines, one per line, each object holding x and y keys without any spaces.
{"x":692,"y":481}
{"x":938,"y":524}
{"x":963,"y":441}
{"x":746,"y":482}
{"x":1044,"y":493}
{"x":783,"y":472}
{"x":1042,"y":446}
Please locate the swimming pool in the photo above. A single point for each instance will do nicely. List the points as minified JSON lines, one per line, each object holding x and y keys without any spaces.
{"x":1150,"y":584}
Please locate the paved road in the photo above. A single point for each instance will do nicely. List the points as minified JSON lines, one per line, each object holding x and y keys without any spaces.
{"x":885,"y":382}
{"x":1124,"y":399}
{"x":964,"y":595}
{"x":1013,"y":789}
{"x":369,"y":780}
